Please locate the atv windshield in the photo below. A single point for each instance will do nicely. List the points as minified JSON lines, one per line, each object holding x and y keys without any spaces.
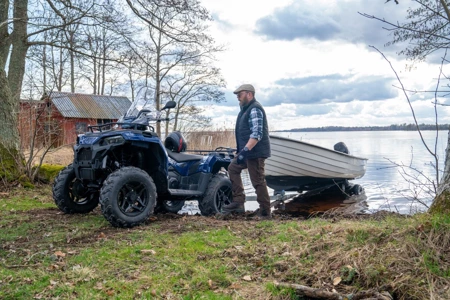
{"x":137,"y":106}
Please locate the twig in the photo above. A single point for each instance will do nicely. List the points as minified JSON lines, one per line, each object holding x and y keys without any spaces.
{"x":323,"y":294}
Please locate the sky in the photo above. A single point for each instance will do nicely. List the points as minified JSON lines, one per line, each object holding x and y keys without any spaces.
{"x":312,"y":65}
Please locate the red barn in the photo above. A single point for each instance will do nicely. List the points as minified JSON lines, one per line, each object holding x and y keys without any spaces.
{"x":58,"y":118}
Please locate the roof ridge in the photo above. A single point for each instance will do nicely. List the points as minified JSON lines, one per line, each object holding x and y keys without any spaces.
{"x":84,"y":94}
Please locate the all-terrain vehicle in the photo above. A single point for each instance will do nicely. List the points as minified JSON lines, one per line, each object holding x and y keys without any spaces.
{"x":126,"y":168}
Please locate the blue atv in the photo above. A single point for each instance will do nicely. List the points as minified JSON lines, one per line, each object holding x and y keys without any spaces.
{"x":125,"y":167}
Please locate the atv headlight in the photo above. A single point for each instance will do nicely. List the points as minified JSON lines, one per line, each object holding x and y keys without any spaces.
{"x":118,"y":139}
{"x":86,"y":140}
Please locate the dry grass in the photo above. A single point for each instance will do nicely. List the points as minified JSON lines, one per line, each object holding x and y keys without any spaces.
{"x":407,"y":256}
{"x":58,"y":156}
{"x":210,"y":140}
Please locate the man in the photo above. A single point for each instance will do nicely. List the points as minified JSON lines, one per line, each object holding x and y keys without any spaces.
{"x":253,"y":145}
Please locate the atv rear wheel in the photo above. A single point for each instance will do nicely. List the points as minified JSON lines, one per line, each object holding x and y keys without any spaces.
{"x":128,"y":197}
{"x":218,"y":193}
{"x":168,"y":207}
{"x":70,"y":195}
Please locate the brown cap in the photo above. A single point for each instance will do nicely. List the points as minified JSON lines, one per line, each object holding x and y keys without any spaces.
{"x":245,"y":87}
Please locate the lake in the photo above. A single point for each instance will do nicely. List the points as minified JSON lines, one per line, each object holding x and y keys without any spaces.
{"x":387,"y":186}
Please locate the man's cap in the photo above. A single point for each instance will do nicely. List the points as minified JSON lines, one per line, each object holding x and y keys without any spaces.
{"x":245,"y":87}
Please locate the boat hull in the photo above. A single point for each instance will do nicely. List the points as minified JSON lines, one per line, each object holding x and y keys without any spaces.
{"x":298,"y":165}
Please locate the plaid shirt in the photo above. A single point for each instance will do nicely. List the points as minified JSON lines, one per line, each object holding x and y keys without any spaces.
{"x":255,"y":122}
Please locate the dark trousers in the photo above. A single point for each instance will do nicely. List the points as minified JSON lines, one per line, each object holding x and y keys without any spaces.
{"x":256,"y":171}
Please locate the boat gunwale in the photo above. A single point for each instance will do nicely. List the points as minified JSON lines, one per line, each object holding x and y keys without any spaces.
{"x":316,"y":146}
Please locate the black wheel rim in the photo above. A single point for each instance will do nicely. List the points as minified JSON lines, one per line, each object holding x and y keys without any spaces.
{"x":133,"y":198}
{"x":77,"y":195}
{"x":223,"y":197}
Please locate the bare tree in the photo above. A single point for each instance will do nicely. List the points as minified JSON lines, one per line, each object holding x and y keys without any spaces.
{"x":22,"y":25}
{"x":193,"y":85}
{"x":176,"y":30}
{"x":427,"y":30}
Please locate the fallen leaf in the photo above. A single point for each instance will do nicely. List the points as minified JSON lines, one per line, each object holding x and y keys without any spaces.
{"x":98,"y":286}
{"x":53,"y":267}
{"x":27,"y":280}
{"x":60,"y":254}
{"x":148,"y":251}
{"x":337,"y":280}
{"x":235,"y":285}
{"x":349,"y":267}
{"x":110,"y":292}
{"x":101,"y":235}
{"x":247,"y":278}
{"x":52,"y":282}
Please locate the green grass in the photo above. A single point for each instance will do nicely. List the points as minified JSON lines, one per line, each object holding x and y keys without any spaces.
{"x":20,"y":203}
{"x":46,"y":254}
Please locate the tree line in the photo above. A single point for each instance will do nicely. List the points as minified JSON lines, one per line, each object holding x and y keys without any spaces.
{"x":393,"y":127}
{"x":156,"y":50}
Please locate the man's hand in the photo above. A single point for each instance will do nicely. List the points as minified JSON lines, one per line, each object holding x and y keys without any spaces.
{"x":242,"y":156}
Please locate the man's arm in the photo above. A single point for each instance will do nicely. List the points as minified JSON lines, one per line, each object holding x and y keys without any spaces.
{"x":256,"y":125}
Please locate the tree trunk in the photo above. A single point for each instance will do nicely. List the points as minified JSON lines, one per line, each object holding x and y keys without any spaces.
{"x":44,"y":68}
{"x":72,"y":63}
{"x":5,"y":40}
{"x":95,"y":76}
{"x":11,"y":163}
{"x":16,"y":69}
{"x":441,"y":203}
{"x":9,"y":136}
{"x":158,"y":85}
{"x":177,"y":114}
{"x":61,"y":70}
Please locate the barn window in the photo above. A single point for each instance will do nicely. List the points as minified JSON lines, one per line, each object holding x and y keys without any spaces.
{"x":103,"y":121}
{"x":80,"y":127}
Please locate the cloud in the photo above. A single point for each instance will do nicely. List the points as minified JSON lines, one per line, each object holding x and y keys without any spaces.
{"x":329,"y":88}
{"x":289,"y":25}
{"x":221,"y":23}
{"x":332,"y":21}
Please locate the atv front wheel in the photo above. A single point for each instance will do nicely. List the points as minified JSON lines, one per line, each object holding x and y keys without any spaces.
{"x":169,"y":207}
{"x":128,"y":197}
{"x":70,"y":195}
{"x":218,"y":193}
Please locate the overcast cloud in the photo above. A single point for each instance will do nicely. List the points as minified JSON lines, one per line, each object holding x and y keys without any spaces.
{"x":311,"y":63}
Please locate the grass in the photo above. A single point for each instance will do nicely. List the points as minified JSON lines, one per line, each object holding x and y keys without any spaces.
{"x":46,"y":254}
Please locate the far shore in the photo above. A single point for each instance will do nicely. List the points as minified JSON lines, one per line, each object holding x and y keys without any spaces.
{"x":404,"y":127}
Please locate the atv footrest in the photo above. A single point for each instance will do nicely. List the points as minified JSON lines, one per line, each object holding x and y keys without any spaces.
{"x":188,"y":193}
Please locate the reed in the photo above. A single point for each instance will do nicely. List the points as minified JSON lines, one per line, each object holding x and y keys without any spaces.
{"x":209,"y":140}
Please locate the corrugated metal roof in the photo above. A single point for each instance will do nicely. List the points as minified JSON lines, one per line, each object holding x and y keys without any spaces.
{"x":90,"y":106}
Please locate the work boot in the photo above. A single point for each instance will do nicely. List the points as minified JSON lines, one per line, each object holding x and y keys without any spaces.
{"x":264,"y":214}
{"x":236,"y":207}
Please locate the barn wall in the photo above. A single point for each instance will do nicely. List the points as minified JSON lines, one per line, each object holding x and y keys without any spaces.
{"x":42,"y":125}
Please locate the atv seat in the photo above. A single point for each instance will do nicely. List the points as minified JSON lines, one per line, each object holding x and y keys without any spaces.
{"x":183,"y":157}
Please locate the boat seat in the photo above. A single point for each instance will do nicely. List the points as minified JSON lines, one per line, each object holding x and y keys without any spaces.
{"x":183,"y":157}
